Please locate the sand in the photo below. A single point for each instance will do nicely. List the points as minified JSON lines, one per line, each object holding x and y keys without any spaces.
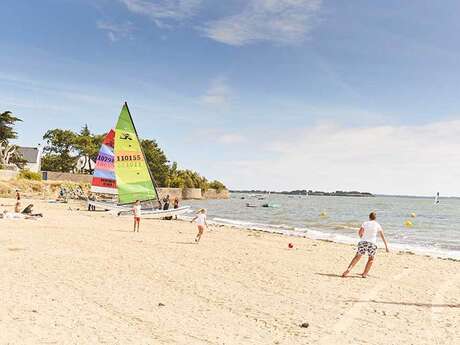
{"x":84,"y":278}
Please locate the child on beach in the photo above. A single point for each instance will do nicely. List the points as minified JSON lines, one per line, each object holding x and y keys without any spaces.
{"x":368,"y":244}
{"x":200,"y":220}
{"x":137,"y":215}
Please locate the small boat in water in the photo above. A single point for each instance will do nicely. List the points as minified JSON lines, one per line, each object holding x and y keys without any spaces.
{"x":250,"y":205}
{"x":271,"y":205}
{"x":436,"y":198}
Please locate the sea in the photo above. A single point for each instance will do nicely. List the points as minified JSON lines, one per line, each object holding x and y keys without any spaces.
{"x":411,"y":224}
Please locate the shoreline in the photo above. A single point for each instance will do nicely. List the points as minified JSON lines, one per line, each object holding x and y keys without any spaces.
{"x":319,"y":235}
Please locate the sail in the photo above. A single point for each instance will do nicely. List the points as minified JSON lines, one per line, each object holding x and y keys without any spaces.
{"x":134,"y":181}
{"x":104,"y":180}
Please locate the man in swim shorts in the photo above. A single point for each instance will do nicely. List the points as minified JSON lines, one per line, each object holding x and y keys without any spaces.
{"x":368,"y":244}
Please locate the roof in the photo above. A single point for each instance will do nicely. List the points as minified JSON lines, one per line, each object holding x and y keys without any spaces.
{"x":30,"y":154}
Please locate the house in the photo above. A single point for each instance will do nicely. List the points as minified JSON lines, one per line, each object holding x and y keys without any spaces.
{"x":84,"y":164}
{"x":33,"y":156}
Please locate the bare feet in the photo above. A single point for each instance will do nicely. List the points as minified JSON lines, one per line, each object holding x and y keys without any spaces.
{"x":345,"y":274}
{"x":364,"y":275}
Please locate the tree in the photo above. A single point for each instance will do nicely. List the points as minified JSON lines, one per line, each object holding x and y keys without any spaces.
{"x":8,"y":152}
{"x":156,"y":160}
{"x":59,"y":150}
{"x":7,"y":122}
{"x":219,"y":186}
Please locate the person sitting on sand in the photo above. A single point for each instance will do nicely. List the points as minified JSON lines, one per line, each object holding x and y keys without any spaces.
{"x":200,"y":220}
{"x":368,"y":244}
{"x":137,"y":215}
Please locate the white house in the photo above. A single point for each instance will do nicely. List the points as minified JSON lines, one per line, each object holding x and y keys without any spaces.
{"x":33,"y":156}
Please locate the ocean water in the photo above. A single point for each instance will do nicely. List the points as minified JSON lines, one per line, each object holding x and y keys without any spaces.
{"x":435,"y":230}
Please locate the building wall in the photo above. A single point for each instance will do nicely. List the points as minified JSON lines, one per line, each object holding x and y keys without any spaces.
{"x":8,"y":175}
{"x":214,"y":194}
{"x":58,"y":176}
{"x":172,"y":192}
{"x":34,"y":167}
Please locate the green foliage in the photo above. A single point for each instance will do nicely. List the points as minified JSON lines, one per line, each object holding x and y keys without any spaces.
{"x":64,"y":146}
{"x":29,"y":175}
{"x":59,"y":150}
{"x":219,"y":186}
{"x":7,"y":122}
{"x":156,"y":160}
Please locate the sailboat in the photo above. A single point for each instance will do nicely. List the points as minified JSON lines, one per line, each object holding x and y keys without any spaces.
{"x":122,"y":172}
{"x":436,"y":198}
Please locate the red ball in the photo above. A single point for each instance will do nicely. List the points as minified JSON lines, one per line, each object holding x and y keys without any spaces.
{"x":290,"y":245}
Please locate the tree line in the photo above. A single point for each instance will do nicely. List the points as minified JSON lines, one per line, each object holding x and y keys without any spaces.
{"x":64,"y":147}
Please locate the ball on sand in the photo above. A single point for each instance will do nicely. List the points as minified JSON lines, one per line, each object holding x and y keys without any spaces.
{"x":290,"y":245}
{"x":408,"y":224}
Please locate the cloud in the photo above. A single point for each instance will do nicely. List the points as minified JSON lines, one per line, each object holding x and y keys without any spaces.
{"x":231,"y":138}
{"x":161,"y":10}
{"x":116,"y":32}
{"x":219,"y":94}
{"x":416,"y":160}
{"x":278,"y":21}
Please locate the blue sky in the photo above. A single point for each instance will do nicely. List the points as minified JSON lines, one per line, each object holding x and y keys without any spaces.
{"x":276,"y":94}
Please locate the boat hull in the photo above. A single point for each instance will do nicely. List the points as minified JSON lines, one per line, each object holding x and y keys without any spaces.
{"x":124,"y":211}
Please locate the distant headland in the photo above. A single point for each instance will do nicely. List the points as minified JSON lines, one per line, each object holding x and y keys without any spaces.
{"x":308,"y":192}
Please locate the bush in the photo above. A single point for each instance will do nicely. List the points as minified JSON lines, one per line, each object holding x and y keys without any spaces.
{"x":29,"y":175}
{"x":219,"y":186}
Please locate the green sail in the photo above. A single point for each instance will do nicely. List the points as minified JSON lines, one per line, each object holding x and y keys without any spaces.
{"x":134,"y":181}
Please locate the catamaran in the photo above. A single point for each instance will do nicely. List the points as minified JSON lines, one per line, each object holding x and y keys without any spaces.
{"x":123,"y":176}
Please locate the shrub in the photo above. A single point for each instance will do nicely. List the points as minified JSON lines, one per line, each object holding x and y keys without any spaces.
{"x":29,"y":175}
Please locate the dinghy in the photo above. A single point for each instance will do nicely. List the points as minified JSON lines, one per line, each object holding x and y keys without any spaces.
{"x":123,"y":176}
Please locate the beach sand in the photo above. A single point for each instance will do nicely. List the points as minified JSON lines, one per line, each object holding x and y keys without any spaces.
{"x":76,"y":277}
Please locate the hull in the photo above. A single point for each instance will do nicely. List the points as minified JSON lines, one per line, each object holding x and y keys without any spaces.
{"x":124,"y":211}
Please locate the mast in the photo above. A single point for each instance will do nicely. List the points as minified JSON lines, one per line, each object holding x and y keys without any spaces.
{"x":143,"y":153}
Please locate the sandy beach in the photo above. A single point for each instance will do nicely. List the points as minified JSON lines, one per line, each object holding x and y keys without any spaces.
{"x":76,"y":277}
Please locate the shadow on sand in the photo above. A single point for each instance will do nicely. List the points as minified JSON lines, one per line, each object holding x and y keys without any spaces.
{"x":334,"y":275}
{"x":184,"y":242}
{"x":414,"y":304}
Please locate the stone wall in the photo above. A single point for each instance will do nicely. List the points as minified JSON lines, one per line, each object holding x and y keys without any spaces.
{"x":191,"y":193}
{"x":172,"y":192}
{"x":59,"y":176}
{"x":8,"y":175}
{"x":215,"y":194}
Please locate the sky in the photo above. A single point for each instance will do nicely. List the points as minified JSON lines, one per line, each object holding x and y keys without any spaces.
{"x":260,"y":94}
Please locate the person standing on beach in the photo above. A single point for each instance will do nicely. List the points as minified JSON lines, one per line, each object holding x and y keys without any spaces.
{"x":200,"y":220}
{"x":137,"y":215}
{"x":368,"y":244}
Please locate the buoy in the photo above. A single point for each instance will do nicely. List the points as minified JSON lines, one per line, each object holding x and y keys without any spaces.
{"x":413,"y":215}
{"x":290,"y":245}
{"x":408,"y":224}
{"x":323,"y":214}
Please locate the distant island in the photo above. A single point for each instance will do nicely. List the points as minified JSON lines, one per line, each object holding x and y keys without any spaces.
{"x":310,"y":192}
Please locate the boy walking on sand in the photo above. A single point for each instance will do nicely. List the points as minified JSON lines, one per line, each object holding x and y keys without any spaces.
{"x":200,"y":220}
{"x":368,"y":244}
{"x":137,"y":215}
